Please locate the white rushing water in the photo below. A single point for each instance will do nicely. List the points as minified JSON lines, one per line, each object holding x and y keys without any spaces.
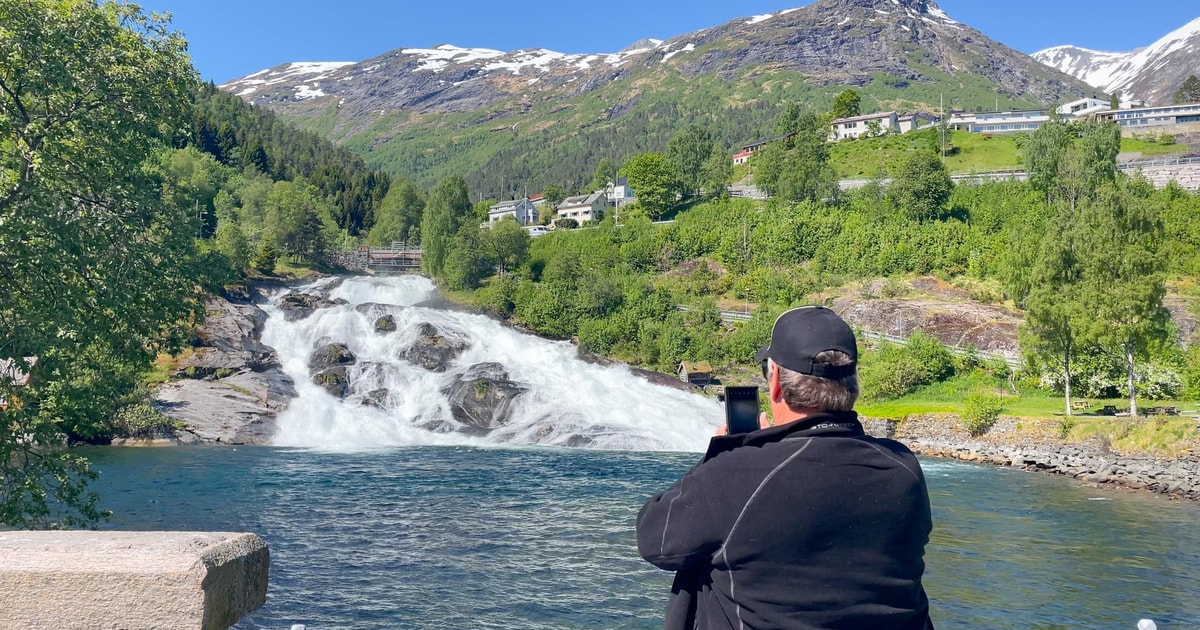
{"x":569,"y":402}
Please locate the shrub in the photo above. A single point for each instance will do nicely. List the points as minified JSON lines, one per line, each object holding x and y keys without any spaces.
{"x":141,"y":420}
{"x":980,"y":411}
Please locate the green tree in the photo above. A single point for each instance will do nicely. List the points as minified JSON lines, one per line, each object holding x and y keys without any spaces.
{"x":297,"y":218}
{"x":448,"y":207}
{"x":554,"y":194}
{"x":1189,"y":91}
{"x":1088,"y":163}
{"x":231,"y":243}
{"x":467,"y":262}
{"x":1119,"y":236}
{"x":399,"y":216}
{"x":718,"y":169}
{"x":653,"y":177}
{"x":846,"y":104}
{"x":96,"y":263}
{"x":797,"y":168}
{"x":920,"y":186}
{"x":1042,"y":154}
{"x":1057,"y":323}
{"x":507,"y":244}
{"x":688,"y":150}
{"x":606,"y":172}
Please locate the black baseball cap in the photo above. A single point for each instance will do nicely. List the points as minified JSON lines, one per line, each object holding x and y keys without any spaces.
{"x":800,"y":334}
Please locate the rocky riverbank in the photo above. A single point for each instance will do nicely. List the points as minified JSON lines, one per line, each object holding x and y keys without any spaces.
{"x":1034,"y":445}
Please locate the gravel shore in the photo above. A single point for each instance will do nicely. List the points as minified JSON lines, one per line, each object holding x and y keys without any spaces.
{"x":1034,"y":445}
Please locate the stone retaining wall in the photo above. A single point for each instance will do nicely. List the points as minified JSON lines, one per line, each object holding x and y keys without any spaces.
{"x":130,"y":580}
{"x":1033,"y":444}
{"x":1187,"y":175}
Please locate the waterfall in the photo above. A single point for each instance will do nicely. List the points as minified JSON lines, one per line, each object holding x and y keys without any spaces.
{"x":390,"y":401}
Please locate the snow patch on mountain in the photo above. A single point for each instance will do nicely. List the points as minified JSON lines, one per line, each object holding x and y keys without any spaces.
{"x":436,"y":59}
{"x":288,"y":73}
{"x":1118,"y":71}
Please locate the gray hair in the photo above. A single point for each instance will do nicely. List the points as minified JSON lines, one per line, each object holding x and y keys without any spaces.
{"x":802,"y":391}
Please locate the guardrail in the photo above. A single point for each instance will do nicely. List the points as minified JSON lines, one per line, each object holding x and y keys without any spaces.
{"x":1136,"y":164}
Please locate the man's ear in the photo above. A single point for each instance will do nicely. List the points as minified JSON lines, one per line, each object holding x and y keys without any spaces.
{"x":773,"y":386}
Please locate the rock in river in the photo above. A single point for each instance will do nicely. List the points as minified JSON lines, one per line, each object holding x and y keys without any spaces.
{"x":433,"y":350}
{"x":482,"y":398}
{"x":297,"y":306}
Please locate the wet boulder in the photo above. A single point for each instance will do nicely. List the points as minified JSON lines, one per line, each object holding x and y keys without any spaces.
{"x":297,"y":306}
{"x":330,"y":355}
{"x":376,"y":398}
{"x":335,"y":380}
{"x":433,"y":350}
{"x":385,"y":324}
{"x":482,"y":398}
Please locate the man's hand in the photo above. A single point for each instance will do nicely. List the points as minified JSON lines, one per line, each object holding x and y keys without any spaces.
{"x":763,"y":422}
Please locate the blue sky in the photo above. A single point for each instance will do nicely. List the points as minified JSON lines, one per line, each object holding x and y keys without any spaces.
{"x":232,"y":38}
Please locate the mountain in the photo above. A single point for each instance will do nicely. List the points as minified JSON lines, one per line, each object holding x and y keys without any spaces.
{"x":530,"y":117}
{"x":1151,"y":74}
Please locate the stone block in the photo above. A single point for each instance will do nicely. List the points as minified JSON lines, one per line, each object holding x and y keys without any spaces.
{"x":130,"y":580}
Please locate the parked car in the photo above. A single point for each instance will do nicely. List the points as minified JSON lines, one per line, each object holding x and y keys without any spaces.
{"x":536,"y":230}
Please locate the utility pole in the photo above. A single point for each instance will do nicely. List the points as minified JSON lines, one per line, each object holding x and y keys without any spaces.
{"x":942,"y":127}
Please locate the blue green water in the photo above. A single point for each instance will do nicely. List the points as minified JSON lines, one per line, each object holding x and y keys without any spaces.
{"x":456,"y":537}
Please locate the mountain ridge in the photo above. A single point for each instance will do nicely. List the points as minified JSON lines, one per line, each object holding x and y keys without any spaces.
{"x":1150,"y":73}
{"x":406,"y":108}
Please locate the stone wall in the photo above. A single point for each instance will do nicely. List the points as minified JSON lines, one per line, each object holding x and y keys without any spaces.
{"x":1186,"y":175}
{"x":130,"y":580}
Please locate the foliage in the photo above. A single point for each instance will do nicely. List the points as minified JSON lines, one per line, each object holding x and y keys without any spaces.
{"x":242,"y":136}
{"x":399,"y":216}
{"x":554,"y":194}
{"x":846,"y":104}
{"x":141,"y":420}
{"x":654,"y":178}
{"x":894,"y":371}
{"x":797,"y":168}
{"x":98,"y":259}
{"x":448,"y":207}
{"x":981,"y":409}
{"x":688,"y":151}
{"x":920,"y":186}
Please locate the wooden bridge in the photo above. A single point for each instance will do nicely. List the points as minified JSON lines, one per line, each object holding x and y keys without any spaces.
{"x":398,"y":257}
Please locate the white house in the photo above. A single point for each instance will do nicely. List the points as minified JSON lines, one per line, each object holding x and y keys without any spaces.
{"x":913,"y":122}
{"x":520,"y":209}
{"x":583,"y":208}
{"x":620,"y":194}
{"x":856,"y":126}
{"x":1083,"y":107}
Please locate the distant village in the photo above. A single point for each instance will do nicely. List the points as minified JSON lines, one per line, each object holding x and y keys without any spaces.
{"x":1131,"y":115}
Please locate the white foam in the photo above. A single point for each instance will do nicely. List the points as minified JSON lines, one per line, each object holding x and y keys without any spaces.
{"x":568,"y":398}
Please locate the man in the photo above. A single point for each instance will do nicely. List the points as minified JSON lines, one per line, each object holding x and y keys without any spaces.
{"x":809,"y":523}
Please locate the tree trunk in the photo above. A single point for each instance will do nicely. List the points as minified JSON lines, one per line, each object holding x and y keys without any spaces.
{"x":1129,"y":374}
{"x":1067,"y":379}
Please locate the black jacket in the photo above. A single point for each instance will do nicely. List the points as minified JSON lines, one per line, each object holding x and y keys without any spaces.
{"x":812,"y":524}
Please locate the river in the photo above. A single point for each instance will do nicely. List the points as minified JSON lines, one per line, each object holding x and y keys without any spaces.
{"x":375,"y":521}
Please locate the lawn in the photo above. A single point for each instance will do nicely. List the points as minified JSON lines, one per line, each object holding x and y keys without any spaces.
{"x":966,"y":152}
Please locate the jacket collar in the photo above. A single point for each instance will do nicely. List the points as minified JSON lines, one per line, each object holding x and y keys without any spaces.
{"x":842,"y":423}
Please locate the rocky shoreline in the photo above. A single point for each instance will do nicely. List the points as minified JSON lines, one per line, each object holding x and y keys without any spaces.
{"x":1034,"y":445}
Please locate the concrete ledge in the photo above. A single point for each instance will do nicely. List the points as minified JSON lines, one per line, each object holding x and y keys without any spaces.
{"x":130,"y":580}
